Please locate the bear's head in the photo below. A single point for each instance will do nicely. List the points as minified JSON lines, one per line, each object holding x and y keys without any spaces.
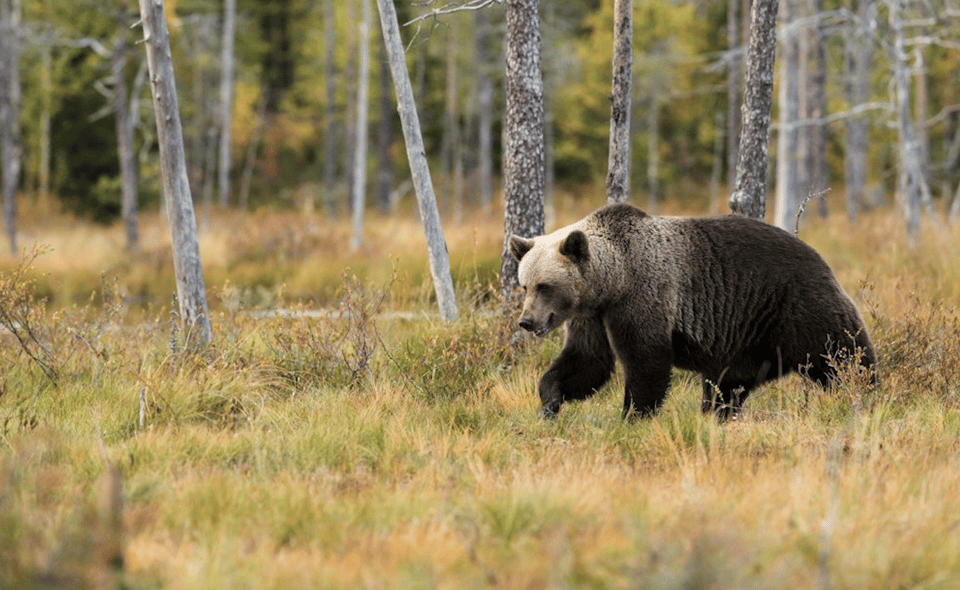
{"x":550,"y":272}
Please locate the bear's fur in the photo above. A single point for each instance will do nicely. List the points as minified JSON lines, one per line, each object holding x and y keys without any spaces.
{"x":734,"y":299}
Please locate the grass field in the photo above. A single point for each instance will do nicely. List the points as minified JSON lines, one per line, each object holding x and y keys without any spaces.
{"x":356,"y":441}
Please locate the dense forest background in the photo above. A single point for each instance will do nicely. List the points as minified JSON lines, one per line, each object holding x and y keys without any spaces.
{"x":297,"y":73}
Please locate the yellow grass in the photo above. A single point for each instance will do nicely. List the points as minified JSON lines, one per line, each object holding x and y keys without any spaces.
{"x":280,"y":458}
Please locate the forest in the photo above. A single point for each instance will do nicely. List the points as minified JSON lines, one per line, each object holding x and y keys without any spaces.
{"x":334,"y":429}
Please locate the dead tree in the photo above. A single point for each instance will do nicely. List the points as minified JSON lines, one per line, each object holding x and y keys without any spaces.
{"x":173,"y":169}
{"x":419,"y":168}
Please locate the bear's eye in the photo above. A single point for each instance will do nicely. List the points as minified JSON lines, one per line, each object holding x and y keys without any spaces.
{"x":543,"y":288}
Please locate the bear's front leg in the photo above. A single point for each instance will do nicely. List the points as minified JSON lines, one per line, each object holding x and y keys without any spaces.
{"x":645,"y":389}
{"x":584,"y":366}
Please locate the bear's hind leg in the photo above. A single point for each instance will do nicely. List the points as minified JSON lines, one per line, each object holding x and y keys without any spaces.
{"x":584,"y":366}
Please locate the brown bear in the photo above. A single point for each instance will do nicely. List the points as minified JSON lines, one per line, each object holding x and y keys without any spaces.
{"x":734,"y":299}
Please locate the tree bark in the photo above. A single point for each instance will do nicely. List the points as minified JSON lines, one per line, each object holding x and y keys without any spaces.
{"x":125,"y":151}
{"x":11,"y":149}
{"x":749,"y":195}
{"x":384,"y":138}
{"x":183,"y":224}
{"x":485,"y":110}
{"x":618,"y":164}
{"x":524,"y":143}
{"x":734,"y":79}
{"x":419,"y":168}
{"x":858,"y":49}
{"x":787,"y":191}
{"x":226,"y":102}
{"x":359,"y":186}
{"x":819,"y":180}
{"x":912,"y":183}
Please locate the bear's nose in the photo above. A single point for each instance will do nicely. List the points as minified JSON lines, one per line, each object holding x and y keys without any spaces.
{"x":526,"y":324}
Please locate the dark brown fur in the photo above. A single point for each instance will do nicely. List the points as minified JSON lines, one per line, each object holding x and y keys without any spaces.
{"x":734,"y":299}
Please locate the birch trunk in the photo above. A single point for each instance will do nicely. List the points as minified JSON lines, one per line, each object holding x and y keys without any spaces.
{"x":226,"y":102}
{"x":734,"y":79}
{"x":176,"y":186}
{"x":10,"y":114}
{"x":618,"y":163}
{"x":858,"y":49}
{"x":125,"y":151}
{"x":912,"y":184}
{"x":330,"y":111}
{"x":787,"y":202}
{"x":359,"y":185}
{"x":419,"y":169}
{"x":485,"y":110}
{"x":524,"y":152}
{"x":749,"y":195}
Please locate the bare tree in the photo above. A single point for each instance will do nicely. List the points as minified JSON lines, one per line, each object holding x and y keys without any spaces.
{"x":173,"y":167}
{"x":330,"y":110}
{"x":858,"y":52}
{"x":485,"y":109}
{"x":787,"y":190}
{"x":818,"y":171}
{"x":359,"y":186}
{"x":419,"y":169}
{"x":618,"y":163}
{"x":749,"y":195}
{"x":385,"y":136}
{"x":11,"y":150}
{"x":523,"y":165}
{"x":912,"y":183}
{"x":125,"y":148}
{"x":734,"y":80}
{"x":226,"y":102}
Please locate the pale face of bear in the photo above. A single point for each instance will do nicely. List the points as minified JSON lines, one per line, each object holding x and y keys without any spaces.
{"x":550,"y":278}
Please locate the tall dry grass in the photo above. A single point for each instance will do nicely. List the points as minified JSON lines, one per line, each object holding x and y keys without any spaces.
{"x":360,"y":447}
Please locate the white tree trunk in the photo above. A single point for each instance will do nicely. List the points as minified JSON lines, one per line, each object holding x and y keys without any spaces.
{"x":618,"y":162}
{"x":787,"y":198}
{"x":858,"y":49}
{"x":125,"y":151}
{"x":419,"y":169}
{"x":176,"y":186}
{"x":358,"y":198}
{"x":11,"y":150}
{"x":226,"y":102}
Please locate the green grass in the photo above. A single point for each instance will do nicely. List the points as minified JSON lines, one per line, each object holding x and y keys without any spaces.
{"x":362,"y":448}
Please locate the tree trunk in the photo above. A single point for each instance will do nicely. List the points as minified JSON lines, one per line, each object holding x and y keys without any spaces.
{"x":128,"y":159}
{"x":384,"y":138}
{"x":734,"y":79}
{"x":46,"y":88}
{"x":912,"y":183}
{"x":330,"y":111}
{"x":11,"y":149}
{"x":183,"y":224}
{"x":787,"y":203}
{"x":819,"y":171}
{"x":858,"y":49}
{"x":226,"y":102}
{"x":358,"y":198}
{"x":485,"y":110}
{"x":653,"y":150}
{"x":618,"y":163}
{"x":419,"y":169}
{"x":749,"y":195}
{"x":523,"y":166}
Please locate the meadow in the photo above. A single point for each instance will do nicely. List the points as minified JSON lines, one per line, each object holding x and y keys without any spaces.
{"x":338,"y":434}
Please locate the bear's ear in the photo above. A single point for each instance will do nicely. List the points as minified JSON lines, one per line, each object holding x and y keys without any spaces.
{"x":519,"y":246}
{"x":575,"y":247}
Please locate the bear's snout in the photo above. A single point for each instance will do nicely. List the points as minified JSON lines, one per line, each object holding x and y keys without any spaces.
{"x":538,"y":328}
